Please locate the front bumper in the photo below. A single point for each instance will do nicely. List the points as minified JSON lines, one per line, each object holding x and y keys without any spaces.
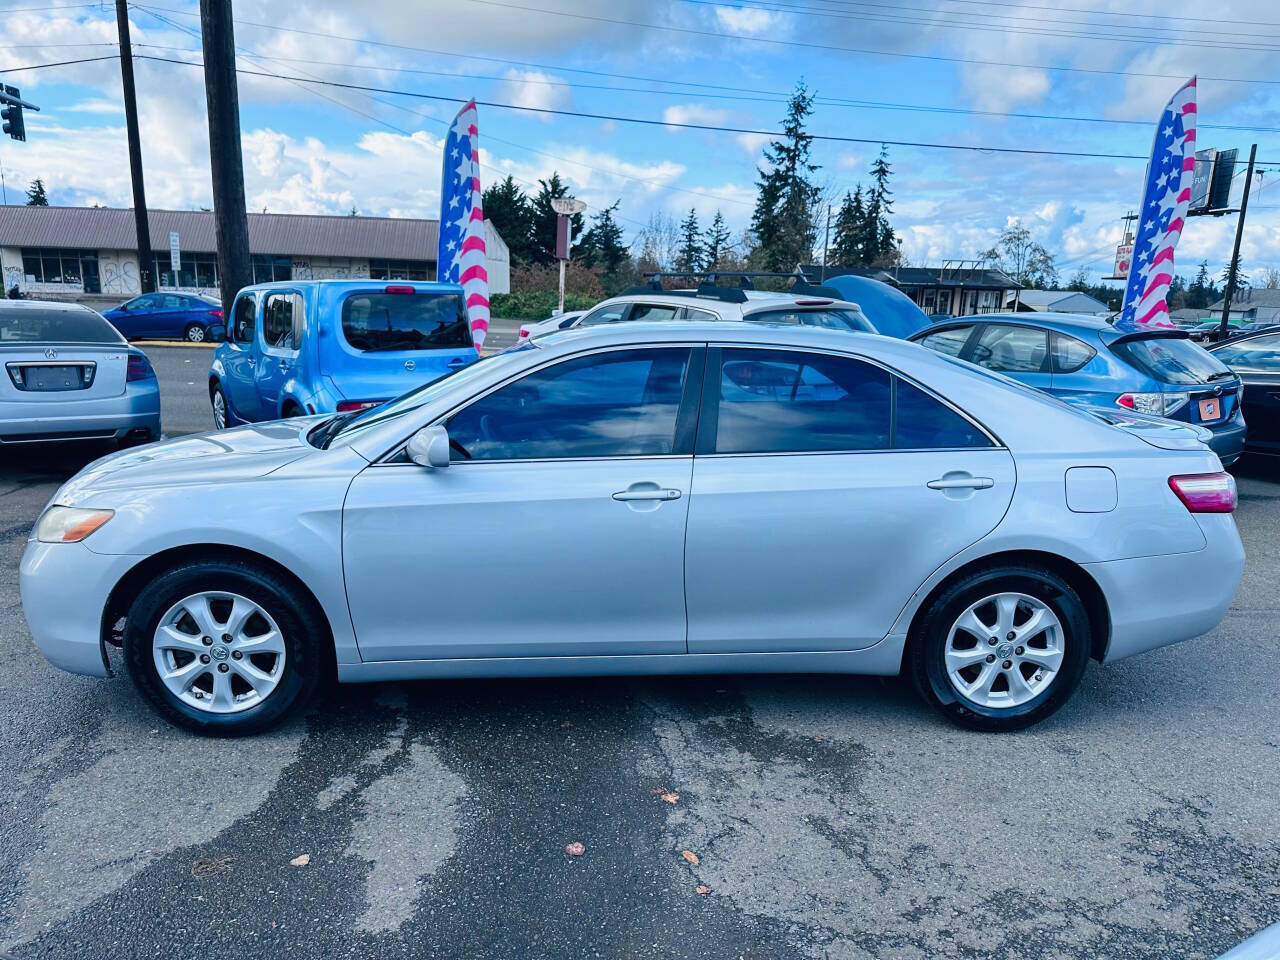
{"x":138,"y":408}
{"x":1158,"y":601}
{"x":64,"y":588}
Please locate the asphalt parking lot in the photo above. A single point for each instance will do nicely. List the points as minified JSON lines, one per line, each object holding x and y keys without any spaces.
{"x":827,"y":817}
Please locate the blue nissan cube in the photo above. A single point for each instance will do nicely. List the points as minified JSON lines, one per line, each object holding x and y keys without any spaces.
{"x":295,"y":348}
{"x":1086,"y":360}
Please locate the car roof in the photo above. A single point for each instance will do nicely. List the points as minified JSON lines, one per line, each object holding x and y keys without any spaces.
{"x":1076,"y":324}
{"x":356,"y":284}
{"x":718,"y":331}
{"x":755,"y":300}
{"x":44,"y":305}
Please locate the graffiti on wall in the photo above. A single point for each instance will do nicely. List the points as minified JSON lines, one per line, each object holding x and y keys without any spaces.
{"x":119,"y":275}
{"x":330,"y":269}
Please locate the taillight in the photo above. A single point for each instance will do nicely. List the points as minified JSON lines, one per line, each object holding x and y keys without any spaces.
{"x":524,"y":333}
{"x":346,"y":406}
{"x":216,"y":314}
{"x":139,"y":368}
{"x":1153,"y":404}
{"x":398,"y":289}
{"x":1205,"y":492}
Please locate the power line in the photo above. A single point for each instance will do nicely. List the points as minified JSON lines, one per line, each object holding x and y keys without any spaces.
{"x":646,"y":121}
{"x":936,"y":58}
{"x":810,"y":45}
{"x":60,"y":63}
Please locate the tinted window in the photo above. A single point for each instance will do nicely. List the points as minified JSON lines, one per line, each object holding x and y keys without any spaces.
{"x":1256,"y":353}
{"x":609,"y":313}
{"x":1070,"y":354}
{"x":831,"y":319}
{"x":1011,"y":349}
{"x":242,"y":326}
{"x":35,"y":325}
{"x":774,"y":401}
{"x":691,"y":314}
{"x":653,"y":312}
{"x":1170,"y":359}
{"x":922,"y":422}
{"x":375,"y":322}
{"x":279,"y":315}
{"x":949,"y":342}
{"x":617,"y":404}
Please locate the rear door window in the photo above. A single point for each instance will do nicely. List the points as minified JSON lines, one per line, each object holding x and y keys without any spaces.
{"x":281,"y":315}
{"x":1172,"y":360}
{"x":922,"y":422}
{"x":380,"y":322}
{"x":1012,"y":349}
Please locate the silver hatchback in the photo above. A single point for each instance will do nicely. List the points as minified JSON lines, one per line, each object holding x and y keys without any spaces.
{"x":70,"y":375}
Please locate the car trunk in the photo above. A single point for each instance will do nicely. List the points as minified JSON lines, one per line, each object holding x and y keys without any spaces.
{"x":49,"y":374}
{"x":1156,"y":431}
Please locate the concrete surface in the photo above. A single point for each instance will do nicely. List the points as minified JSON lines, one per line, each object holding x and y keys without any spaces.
{"x":830,"y":817}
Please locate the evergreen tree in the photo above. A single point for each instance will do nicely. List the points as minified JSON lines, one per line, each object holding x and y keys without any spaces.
{"x":602,"y":244}
{"x":846,"y":251}
{"x":715,"y":244}
{"x":507,"y":208}
{"x":36,"y":197}
{"x":885,"y":241}
{"x":689,"y":258}
{"x":543,"y":233}
{"x":782,"y":224}
{"x":1198,"y":290}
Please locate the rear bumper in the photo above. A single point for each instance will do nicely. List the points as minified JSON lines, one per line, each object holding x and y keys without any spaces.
{"x":1228,"y":439}
{"x":138,"y":408}
{"x":66,"y":624}
{"x":1157,"y":601}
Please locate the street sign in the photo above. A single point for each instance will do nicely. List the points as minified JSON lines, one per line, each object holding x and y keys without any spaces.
{"x":567,"y":206}
{"x":1201,"y":179}
{"x":175,"y":255}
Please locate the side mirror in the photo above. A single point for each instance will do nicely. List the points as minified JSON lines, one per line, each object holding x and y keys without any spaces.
{"x":429,"y":447}
{"x":217,"y":332}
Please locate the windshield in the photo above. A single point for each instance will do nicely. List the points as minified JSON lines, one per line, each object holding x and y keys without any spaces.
{"x":348,"y":426}
{"x":43,"y":325}
{"x":374,"y":322}
{"x":1172,"y":360}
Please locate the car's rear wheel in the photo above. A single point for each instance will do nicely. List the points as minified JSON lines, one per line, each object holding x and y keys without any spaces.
{"x":224,"y":648}
{"x":196,"y":332}
{"x":218,"y":400}
{"x":1002,"y":648}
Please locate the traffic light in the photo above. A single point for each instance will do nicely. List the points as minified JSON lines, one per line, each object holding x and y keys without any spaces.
{"x":12,"y":114}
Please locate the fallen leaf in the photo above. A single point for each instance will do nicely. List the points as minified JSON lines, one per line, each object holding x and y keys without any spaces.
{"x":690,"y":856}
{"x":301,"y":860}
{"x":703,"y":889}
{"x":670,"y":797}
{"x":658,"y":791}
{"x":575,"y":849}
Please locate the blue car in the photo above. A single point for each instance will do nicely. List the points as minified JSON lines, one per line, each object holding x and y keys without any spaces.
{"x":891,"y":311}
{"x":296,"y":348}
{"x":1086,"y":360}
{"x":166,"y":316}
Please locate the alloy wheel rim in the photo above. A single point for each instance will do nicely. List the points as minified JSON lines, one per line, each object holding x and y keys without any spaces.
{"x":219,"y":410}
{"x":1004,"y":651}
{"x":219,"y":652}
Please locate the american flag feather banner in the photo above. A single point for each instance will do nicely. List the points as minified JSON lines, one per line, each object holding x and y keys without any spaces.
{"x":1164,"y":210}
{"x":461,"y":255}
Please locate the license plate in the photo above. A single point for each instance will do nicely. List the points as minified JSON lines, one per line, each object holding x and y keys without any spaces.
{"x":53,"y":378}
{"x":1210,"y":409}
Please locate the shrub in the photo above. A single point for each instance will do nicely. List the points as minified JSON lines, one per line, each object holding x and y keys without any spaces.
{"x":536,"y":304}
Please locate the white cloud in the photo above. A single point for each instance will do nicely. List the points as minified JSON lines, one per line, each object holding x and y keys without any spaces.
{"x":694,"y":113}
{"x":747,"y":20}
{"x":752,"y":143}
{"x":535,"y":90}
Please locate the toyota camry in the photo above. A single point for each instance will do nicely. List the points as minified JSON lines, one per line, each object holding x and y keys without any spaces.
{"x":715,"y":497}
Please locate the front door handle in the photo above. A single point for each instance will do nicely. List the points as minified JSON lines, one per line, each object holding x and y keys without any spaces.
{"x":961,"y":483}
{"x":284,"y":366}
{"x":647,"y":493}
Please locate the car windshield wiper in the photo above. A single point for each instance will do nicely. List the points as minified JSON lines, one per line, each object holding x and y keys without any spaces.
{"x":1220,"y":374}
{"x":323,"y":435}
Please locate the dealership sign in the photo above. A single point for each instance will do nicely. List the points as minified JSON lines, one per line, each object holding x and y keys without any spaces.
{"x":1124,"y":256}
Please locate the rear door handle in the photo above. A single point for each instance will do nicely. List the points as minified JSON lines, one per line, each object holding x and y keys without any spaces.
{"x":284,"y":365}
{"x":650,"y":493}
{"x":961,"y":483}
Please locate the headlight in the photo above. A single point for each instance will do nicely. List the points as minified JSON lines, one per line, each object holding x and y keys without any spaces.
{"x":70,"y":524}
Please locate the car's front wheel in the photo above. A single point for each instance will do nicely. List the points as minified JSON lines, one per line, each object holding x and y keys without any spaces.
{"x":1002,"y":648}
{"x":223,"y":647}
{"x":196,"y":333}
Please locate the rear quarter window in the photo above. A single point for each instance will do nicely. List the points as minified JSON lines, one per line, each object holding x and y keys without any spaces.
{"x":379,"y":322}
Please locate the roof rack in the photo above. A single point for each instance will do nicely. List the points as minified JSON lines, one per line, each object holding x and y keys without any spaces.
{"x":709,"y":287}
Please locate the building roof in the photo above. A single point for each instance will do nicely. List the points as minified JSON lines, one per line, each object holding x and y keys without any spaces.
{"x":975,"y":278}
{"x":305,"y":235}
{"x":1048,"y":299}
{"x":1249,"y":297}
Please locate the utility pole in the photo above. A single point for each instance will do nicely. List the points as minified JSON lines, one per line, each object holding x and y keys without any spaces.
{"x":146,"y":276}
{"x":826,"y":243}
{"x":231,"y":223}
{"x":1234,"y":264}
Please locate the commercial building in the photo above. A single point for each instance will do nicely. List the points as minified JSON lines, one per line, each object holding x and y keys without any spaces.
{"x":948,"y":290}
{"x":1055,"y":301}
{"x":1251,"y":306}
{"x":90,"y":253}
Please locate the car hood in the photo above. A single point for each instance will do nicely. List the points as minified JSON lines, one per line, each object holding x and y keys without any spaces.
{"x":244,"y":453}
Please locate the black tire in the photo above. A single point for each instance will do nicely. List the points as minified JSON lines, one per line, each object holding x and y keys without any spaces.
{"x":196,"y":333}
{"x":305,"y":634}
{"x":926,"y":666}
{"x":216,"y":394}
{"x":290,"y":410}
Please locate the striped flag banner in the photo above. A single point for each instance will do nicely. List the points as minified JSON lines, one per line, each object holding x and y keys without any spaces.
{"x":1164,"y":210}
{"x":461,"y":255}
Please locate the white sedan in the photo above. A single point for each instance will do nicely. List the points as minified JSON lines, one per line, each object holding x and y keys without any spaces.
{"x":645,"y":498}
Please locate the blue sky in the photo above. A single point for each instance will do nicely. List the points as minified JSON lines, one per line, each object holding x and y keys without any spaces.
{"x":318,"y":149}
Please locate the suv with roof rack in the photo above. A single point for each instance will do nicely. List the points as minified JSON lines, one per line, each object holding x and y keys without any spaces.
{"x":802,"y":305}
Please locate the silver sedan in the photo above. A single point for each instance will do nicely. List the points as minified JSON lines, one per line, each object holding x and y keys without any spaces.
{"x":645,"y":498}
{"x":70,"y":375}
